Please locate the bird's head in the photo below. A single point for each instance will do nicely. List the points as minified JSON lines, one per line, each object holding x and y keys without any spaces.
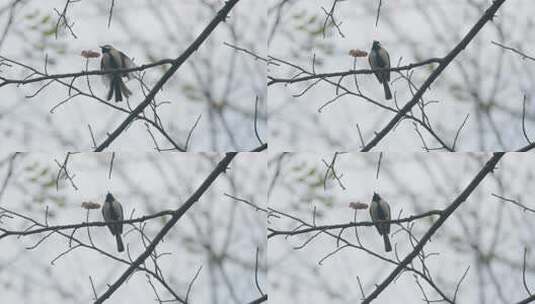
{"x":106,"y":48}
{"x":376,"y":197}
{"x":109,"y":198}
{"x":376,"y":45}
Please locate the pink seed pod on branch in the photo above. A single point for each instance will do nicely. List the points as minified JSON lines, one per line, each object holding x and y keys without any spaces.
{"x":358,"y":53}
{"x":90,"y":205}
{"x":358,"y":205}
{"x":90,"y":54}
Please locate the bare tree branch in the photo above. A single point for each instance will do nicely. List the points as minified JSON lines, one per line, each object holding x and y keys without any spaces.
{"x":522,"y":54}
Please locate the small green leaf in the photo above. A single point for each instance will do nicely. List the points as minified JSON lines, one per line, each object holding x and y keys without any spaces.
{"x":45,"y":19}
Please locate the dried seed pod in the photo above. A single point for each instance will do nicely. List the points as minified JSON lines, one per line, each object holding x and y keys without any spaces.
{"x":90,"y":205}
{"x":358,"y":53}
{"x":90,"y":54}
{"x":358,"y":205}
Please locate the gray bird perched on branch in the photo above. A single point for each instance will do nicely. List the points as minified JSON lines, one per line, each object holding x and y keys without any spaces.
{"x":115,"y":59}
{"x":379,"y":59}
{"x":113,"y":211}
{"x":380,"y":211}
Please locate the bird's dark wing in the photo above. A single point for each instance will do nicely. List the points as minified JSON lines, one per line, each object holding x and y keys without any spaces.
{"x":104,"y":65}
{"x":127,"y":63}
{"x":374,"y":64}
{"x":373,"y":213}
{"x":385,"y":63}
{"x":388,"y":217}
{"x":116,"y":214}
{"x":107,"y":216}
{"x":120,"y":217}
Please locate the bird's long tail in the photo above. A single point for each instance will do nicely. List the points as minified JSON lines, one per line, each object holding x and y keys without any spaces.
{"x":117,"y":88}
{"x":110,"y":91}
{"x":120,"y":246}
{"x":388,"y":247}
{"x":117,"y":85}
{"x":388,"y":94}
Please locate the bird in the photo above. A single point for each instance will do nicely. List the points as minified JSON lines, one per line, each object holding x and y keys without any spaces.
{"x":113,"y":211}
{"x":379,"y":59}
{"x":115,"y":59}
{"x":380,"y":211}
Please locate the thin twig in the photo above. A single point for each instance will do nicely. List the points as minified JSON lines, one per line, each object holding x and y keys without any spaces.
{"x":111,"y":12}
{"x":378,"y":12}
{"x":522,"y":54}
{"x":190,"y":285}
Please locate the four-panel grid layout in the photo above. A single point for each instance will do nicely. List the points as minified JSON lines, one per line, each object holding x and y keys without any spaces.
{"x":267,"y":151}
